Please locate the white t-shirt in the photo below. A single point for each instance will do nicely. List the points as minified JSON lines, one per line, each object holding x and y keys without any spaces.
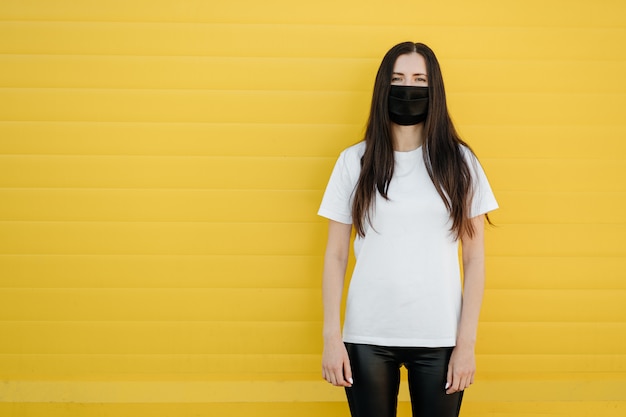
{"x":406,"y":285}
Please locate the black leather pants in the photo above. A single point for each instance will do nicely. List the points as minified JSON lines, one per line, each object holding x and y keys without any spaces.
{"x":376,"y":374}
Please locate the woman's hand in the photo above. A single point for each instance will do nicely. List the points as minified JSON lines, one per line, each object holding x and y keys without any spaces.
{"x":461,"y":369}
{"x":336,"y":364}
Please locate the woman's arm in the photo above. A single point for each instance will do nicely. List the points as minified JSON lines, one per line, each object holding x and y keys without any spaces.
{"x":463,"y":363}
{"x":335,"y":362}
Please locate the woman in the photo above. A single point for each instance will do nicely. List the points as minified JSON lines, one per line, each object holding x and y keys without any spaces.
{"x":412,"y":190}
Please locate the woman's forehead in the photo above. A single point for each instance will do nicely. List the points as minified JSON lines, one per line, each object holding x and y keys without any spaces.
{"x":412,"y":63}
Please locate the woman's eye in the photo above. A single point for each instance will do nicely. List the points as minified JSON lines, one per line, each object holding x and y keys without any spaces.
{"x":396,"y":79}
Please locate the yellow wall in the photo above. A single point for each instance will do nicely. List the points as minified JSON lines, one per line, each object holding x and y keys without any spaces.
{"x":161,"y":163}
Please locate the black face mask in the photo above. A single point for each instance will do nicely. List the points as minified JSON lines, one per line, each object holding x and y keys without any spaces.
{"x":408,"y":105}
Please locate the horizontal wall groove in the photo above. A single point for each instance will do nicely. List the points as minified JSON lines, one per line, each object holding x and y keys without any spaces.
{"x":175,"y":256}
{"x":92,"y":222}
{"x":323,"y":25}
{"x":320,"y":220}
{"x":198,"y":91}
{"x":333,"y":92}
{"x":489,"y":228}
{"x":560,"y":256}
{"x":173,"y":157}
{"x":304,"y":59}
{"x":169,"y":123}
{"x":178,"y":288}
{"x":168,"y":189}
{"x":332,"y":158}
{"x":172,"y":189}
{"x":294,"y":321}
{"x":289,"y":323}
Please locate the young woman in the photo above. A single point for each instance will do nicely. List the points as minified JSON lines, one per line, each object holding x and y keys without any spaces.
{"x":412,"y":190}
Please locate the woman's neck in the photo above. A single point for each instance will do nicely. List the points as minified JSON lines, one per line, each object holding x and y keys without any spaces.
{"x":407,"y":138}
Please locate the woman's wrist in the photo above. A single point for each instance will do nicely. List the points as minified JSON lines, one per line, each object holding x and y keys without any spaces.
{"x":332,"y":335}
{"x":466,"y":342}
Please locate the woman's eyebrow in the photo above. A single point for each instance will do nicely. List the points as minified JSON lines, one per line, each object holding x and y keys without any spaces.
{"x":418,"y":73}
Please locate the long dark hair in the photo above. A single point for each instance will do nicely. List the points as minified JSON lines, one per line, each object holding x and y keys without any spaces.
{"x":442,"y":152}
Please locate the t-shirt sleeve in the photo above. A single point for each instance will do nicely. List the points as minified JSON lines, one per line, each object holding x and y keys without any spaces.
{"x":483,"y":199}
{"x":337,"y":201}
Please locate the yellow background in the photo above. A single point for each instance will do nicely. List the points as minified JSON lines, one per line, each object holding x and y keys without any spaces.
{"x":162,"y":161}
